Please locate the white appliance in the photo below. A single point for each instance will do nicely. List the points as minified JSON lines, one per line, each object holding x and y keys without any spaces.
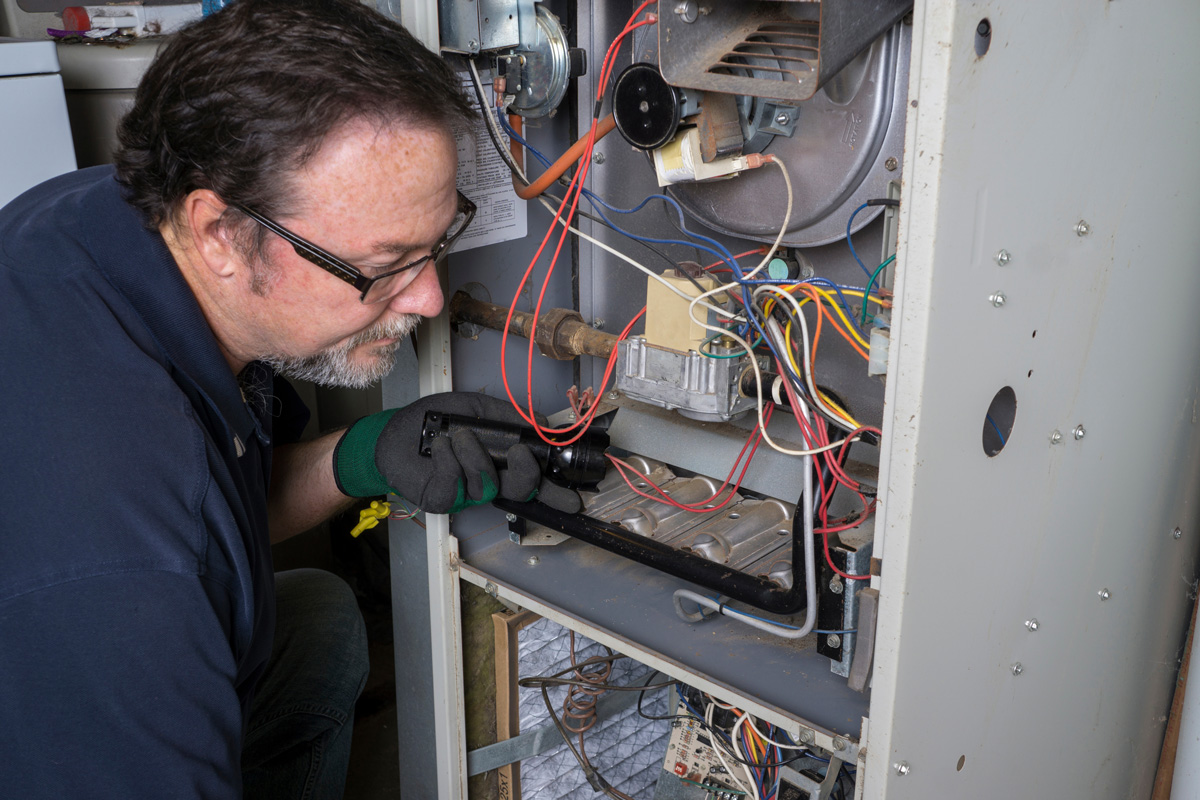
{"x":35,"y":139}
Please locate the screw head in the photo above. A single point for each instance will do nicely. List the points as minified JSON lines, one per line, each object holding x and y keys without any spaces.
{"x":833,"y":640}
{"x":807,"y":736}
{"x":613,"y":395}
{"x":997,"y":299}
{"x":1082,"y":228}
{"x":510,"y":517}
{"x":490,"y":588}
{"x":839,"y":744}
{"x":1032,"y":625}
{"x":532,"y":561}
{"x":1177,"y":533}
{"x":891,"y":163}
{"x":597,"y":158}
{"x":1104,"y":594}
{"x":1017,"y":669}
{"x":902,"y":768}
{"x":1003,"y":258}
{"x":835,"y":586}
{"x":473,"y":46}
{"x":687,"y":11}
{"x":598,"y":324}
{"x":570,"y":415}
{"x":1079,"y":432}
{"x":782,"y":119}
{"x":1056,"y":437}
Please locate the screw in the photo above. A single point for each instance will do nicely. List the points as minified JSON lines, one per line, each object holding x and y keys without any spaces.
{"x":998,"y":299}
{"x":1003,"y":258}
{"x":473,"y":46}
{"x":1017,"y":669}
{"x":1032,"y":625}
{"x":902,"y":768}
{"x":1079,"y":432}
{"x":891,"y":163}
{"x":511,"y":517}
{"x":597,"y":158}
{"x":807,"y":736}
{"x":782,"y":119}
{"x":1056,"y":438}
{"x":686,"y":11}
{"x":839,"y":743}
{"x":490,"y":588}
{"x":1104,"y":594}
{"x":1177,"y":533}
{"x":835,"y":586}
{"x":532,"y":561}
{"x":453,"y":562}
{"x":570,"y":415}
{"x":613,"y":395}
{"x":834,"y":641}
{"x":598,"y":324}
{"x":1082,"y":228}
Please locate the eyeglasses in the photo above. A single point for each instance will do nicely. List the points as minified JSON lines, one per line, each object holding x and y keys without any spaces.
{"x":375,"y":288}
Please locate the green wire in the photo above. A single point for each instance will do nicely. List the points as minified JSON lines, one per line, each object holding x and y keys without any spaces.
{"x":870,"y":283}
{"x":704,"y":352}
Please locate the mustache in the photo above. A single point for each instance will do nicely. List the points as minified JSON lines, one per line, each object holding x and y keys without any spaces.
{"x":396,"y":328}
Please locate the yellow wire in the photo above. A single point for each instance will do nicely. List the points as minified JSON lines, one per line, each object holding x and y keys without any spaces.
{"x":838,"y":308}
{"x":843,"y":413}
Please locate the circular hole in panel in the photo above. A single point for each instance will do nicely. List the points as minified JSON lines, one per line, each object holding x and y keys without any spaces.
{"x":998,"y":421}
{"x":735,"y":516}
{"x":710,"y":505}
{"x":983,"y":37}
{"x":1030,"y":375}
{"x":962,"y":760}
{"x":1034,"y":335}
{"x":642,"y":485}
{"x":783,"y":532}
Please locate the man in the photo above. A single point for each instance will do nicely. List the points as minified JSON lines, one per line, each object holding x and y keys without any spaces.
{"x":146,"y":463}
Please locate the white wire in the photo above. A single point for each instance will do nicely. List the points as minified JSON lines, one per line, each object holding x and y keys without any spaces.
{"x":782,"y":228}
{"x":773,"y":328}
{"x":723,"y":312}
{"x":753,"y":788}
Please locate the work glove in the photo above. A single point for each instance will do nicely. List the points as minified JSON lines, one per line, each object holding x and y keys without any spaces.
{"x":380,"y":454}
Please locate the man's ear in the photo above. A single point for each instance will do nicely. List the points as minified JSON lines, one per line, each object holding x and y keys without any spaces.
{"x":201,"y":212}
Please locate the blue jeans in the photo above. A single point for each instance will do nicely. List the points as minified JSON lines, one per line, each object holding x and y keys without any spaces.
{"x":297,"y":744}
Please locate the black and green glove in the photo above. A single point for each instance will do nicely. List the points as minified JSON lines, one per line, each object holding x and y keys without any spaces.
{"x":379,"y":454}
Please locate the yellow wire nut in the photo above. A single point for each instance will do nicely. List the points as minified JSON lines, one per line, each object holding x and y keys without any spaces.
{"x":369,"y":517}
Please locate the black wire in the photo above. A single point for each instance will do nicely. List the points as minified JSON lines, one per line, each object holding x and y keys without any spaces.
{"x":712,"y":729}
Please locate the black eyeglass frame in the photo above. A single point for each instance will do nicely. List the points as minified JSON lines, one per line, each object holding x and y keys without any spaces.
{"x":348,"y":272}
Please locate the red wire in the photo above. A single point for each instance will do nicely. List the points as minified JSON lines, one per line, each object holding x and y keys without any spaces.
{"x":573,"y":193}
{"x":699,"y":506}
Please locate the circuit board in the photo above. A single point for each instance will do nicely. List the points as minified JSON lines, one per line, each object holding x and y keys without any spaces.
{"x":690,"y":757}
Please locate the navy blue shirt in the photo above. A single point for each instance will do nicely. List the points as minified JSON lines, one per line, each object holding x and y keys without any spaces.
{"x":136,"y":590}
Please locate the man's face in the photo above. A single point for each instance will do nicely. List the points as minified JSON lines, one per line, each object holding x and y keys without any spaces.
{"x":377,"y":199}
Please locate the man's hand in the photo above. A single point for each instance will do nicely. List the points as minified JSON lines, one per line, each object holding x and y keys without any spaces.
{"x":379,"y":454}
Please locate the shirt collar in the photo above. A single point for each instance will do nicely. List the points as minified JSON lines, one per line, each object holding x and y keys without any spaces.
{"x":139,"y":265}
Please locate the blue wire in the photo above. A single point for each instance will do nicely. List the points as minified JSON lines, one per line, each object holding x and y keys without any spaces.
{"x":721,"y":252}
{"x":850,"y":222}
{"x":997,"y":429}
{"x":845,"y":304}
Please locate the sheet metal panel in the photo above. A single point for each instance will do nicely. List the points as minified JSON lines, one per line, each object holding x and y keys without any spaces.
{"x":1080,"y":110}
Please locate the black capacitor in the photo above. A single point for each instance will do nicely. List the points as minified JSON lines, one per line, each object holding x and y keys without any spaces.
{"x":646,"y":108}
{"x":579,"y":465}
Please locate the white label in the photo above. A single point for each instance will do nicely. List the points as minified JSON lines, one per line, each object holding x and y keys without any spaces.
{"x":484,"y":177}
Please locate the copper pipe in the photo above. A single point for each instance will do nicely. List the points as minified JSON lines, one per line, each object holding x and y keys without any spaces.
{"x":561,"y":333}
{"x":603,"y":128}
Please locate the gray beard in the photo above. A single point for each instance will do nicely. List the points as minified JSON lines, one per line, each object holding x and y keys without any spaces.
{"x":332,"y":367}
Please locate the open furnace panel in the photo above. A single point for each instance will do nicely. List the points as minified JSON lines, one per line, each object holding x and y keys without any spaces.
{"x":764,"y":146}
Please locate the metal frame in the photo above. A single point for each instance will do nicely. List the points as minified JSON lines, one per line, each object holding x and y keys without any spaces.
{"x":1033,"y":604}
